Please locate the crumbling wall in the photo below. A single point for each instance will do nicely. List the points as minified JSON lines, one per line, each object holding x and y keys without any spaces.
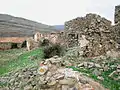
{"x":91,"y":33}
{"x":53,"y":37}
{"x":117,"y":14}
{"x":5,"y":46}
{"x":61,"y":39}
{"x":40,"y":39}
{"x":37,"y":36}
{"x":116,"y":32}
{"x":116,"y":28}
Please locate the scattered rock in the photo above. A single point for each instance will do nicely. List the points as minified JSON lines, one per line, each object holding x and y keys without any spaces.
{"x":28,"y":87}
{"x":96,"y":72}
{"x":85,"y":64}
{"x":68,"y":81}
{"x":52,"y":83}
{"x":59,"y":78}
{"x":81,"y":64}
{"x":111,"y":75}
{"x":118,"y":69}
{"x":91,"y":65}
{"x":100,"y":78}
{"x":97,"y":66}
{"x":105,"y":68}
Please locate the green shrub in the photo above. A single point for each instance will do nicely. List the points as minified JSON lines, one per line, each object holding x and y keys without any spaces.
{"x":52,"y":50}
{"x":24,"y":44}
{"x":14,"y":45}
{"x":45,"y":42}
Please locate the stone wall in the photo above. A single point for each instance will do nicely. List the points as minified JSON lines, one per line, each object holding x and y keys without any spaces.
{"x":116,"y":32}
{"x":5,"y":46}
{"x":116,"y":27}
{"x":92,"y":33}
{"x":117,"y":14}
{"x":10,"y":42}
{"x":53,"y":37}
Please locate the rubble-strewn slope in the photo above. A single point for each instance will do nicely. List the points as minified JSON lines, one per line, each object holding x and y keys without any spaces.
{"x":51,"y":75}
{"x":15,"y":26}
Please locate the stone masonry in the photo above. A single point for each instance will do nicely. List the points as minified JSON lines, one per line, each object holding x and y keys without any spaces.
{"x":117,"y":14}
{"x":91,"y":33}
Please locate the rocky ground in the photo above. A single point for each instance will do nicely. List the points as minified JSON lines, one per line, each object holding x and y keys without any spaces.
{"x":52,"y":74}
{"x":91,"y":61}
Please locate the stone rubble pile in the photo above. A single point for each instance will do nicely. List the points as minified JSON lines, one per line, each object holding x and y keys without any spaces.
{"x":51,"y":75}
{"x":91,"y":33}
{"x":97,"y":69}
{"x":97,"y":65}
{"x":115,"y":73}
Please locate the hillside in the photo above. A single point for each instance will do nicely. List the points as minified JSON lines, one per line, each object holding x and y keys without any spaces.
{"x":11,"y":26}
{"x":59,"y":27}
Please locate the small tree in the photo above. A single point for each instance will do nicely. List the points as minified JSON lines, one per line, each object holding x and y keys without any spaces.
{"x":52,"y":50}
{"x":45,"y":42}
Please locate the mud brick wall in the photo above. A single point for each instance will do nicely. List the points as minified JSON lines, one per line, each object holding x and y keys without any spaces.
{"x":92,"y":33}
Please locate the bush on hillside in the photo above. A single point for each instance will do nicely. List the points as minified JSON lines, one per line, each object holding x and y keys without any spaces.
{"x":14,"y":45}
{"x":24,"y":44}
{"x":52,"y":50}
{"x":45,"y":42}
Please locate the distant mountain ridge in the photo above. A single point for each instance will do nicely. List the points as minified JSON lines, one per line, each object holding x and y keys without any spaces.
{"x":59,"y":27}
{"x":11,"y":26}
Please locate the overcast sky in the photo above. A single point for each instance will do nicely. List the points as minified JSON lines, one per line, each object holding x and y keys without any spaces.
{"x":54,"y":12}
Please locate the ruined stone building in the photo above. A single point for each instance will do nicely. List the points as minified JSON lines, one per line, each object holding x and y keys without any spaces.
{"x":53,"y":37}
{"x":12,"y":42}
{"x":93,"y":34}
{"x":117,"y":14}
{"x":116,"y":27}
{"x":37,"y":36}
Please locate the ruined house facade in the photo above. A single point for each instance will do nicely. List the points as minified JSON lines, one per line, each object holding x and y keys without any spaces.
{"x":34,"y":42}
{"x":93,"y":34}
{"x":37,"y":36}
{"x":53,"y":37}
{"x":12,"y":42}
